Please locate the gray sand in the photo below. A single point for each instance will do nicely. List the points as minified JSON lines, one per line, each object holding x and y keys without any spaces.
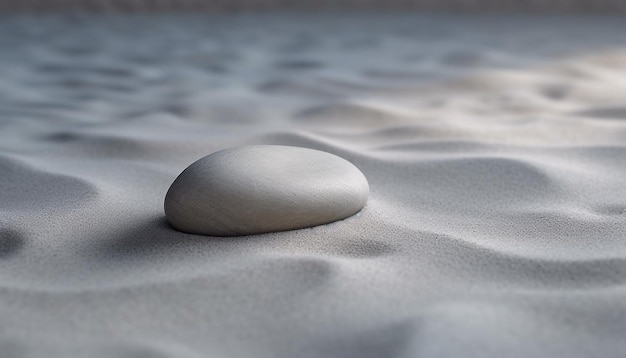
{"x":494,"y":148}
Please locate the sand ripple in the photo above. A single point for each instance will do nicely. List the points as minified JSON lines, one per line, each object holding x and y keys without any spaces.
{"x":494,"y":147}
{"x":24,"y":188}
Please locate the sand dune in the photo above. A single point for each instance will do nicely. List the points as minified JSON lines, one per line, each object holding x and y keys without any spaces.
{"x":494,"y":147}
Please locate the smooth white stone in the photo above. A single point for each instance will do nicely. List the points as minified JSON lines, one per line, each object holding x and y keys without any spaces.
{"x":264,"y":188}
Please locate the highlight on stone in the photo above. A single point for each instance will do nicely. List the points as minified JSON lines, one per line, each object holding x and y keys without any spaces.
{"x":264,"y":188}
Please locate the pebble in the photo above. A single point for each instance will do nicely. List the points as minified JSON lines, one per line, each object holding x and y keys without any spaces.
{"x":264,"y":188}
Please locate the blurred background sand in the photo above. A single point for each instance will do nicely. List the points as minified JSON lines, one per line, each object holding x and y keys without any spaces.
{"x":476,"y":6}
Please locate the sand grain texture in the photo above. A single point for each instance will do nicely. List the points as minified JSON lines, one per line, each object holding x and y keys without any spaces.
{"x":494,"y":147}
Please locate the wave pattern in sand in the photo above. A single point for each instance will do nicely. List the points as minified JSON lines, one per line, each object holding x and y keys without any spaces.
{"x":495,"y":148}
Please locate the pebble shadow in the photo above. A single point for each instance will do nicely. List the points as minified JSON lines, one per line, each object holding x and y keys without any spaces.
{"x":155,"y":237}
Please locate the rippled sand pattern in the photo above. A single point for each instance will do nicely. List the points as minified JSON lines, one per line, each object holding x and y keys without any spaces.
{"x":495,"y":148}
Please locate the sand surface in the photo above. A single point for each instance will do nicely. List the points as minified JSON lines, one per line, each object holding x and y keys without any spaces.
{"x":495,"y":149}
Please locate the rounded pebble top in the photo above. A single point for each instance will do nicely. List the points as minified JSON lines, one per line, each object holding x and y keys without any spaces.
{"x":264,"y":188}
